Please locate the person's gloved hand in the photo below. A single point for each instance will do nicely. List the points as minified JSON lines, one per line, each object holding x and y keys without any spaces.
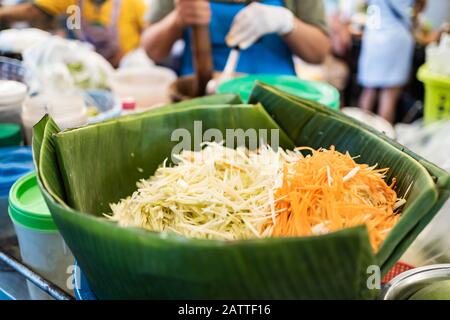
{"x":257,"y":20}
{"x":192,"y":12}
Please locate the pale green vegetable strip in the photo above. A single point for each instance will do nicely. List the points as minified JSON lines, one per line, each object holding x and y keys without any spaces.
{"x":217,"y":193}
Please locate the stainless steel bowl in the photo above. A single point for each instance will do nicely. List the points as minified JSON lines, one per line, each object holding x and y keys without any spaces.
{"x":408,"y":283}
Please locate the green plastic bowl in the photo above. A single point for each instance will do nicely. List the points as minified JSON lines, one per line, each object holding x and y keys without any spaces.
{"x":311,"y":90}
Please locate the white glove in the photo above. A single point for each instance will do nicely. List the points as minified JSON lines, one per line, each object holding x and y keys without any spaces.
{"x":257,"y":20}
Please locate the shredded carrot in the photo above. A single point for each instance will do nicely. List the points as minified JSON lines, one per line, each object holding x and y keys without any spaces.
{"x":328,"y":191}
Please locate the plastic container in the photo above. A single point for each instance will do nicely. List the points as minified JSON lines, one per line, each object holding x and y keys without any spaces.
{"x":437,"y":94}
{"x":12,"y":95}
{"x":11,"y":114}
{"x":41,"y":245}
{"x":311,"y":90}
{"x":12,"y":92}
{"x":148,"y":86}
{"x":68,"y":111}
{"x":14,"y":163}
{"x":10,"y":135}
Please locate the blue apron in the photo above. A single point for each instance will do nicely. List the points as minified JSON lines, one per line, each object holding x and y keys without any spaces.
{"x":269,"y":55}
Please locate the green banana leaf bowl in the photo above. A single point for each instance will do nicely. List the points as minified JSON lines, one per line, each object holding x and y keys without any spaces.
{"x":81,"y":171}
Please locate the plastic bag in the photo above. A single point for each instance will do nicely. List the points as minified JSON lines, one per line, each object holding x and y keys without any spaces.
{"x":18,"y":40}
{"x":432,"y":142}
{"x":429,"y":141}
{"x":59,"y":64}
{"x":438,"y":56}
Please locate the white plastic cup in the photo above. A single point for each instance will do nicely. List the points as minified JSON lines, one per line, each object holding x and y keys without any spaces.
{"x":11,"y":114}
{"x":148,"y":86}
{"x":68,"y":111}
{"x":47,"y":254}
{"x":33,"y":109}
{"x":12,"y":94}
{"x":42,"y":247}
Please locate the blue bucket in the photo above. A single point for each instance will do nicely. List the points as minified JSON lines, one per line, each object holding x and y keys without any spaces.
{"x":15,"y":162}
{"x":82,"y":289}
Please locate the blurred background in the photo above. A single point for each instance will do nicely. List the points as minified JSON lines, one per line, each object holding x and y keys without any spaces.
{"x":384,"y":62}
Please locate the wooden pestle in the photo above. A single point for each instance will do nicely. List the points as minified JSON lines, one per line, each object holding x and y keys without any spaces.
{"x":202,"y":58}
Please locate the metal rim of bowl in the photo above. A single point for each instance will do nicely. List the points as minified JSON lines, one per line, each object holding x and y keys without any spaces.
{"x":406,"y":284}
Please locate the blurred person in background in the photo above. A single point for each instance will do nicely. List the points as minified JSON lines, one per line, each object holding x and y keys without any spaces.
{"x":426,"y":34}
{"x":113,"y":27}
{"x":337,"y":65}
{"x":339,"y":15}
{"x":387,"y":53}
{"x":268,"y":32}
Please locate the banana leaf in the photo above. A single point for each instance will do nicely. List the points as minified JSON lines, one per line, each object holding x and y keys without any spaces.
{"x":216,"y":269}
{"x":85,"y":169}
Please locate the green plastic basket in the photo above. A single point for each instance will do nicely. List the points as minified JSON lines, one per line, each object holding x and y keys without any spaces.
{"x":437,"y":95}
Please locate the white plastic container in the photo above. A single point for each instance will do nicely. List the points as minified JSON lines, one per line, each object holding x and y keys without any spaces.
{"x":47,"y":254}
{"x":12,"y":95}
{"x":11,"y":114}
{"x":41,"y":246}
{"x":68,"y":111}
{"x":148,"y":86}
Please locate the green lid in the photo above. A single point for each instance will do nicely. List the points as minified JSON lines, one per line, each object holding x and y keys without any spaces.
{"x":311,"y":90}
{"x":10,"y":135}
{"x":27,"y":205}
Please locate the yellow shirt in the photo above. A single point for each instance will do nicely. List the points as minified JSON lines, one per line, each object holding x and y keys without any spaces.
{"x":131,"y":18}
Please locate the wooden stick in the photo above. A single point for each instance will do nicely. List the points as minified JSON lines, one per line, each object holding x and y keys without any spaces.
{"x":203,"y":65}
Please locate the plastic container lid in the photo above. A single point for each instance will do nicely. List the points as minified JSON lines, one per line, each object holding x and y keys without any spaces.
{"x":10,"y":135}
{"x":128,"y":103}
{"x":12,"y":92}
{"x":311,"y":90}
{"x":14,"y":163}
{"x":27,"y":205}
